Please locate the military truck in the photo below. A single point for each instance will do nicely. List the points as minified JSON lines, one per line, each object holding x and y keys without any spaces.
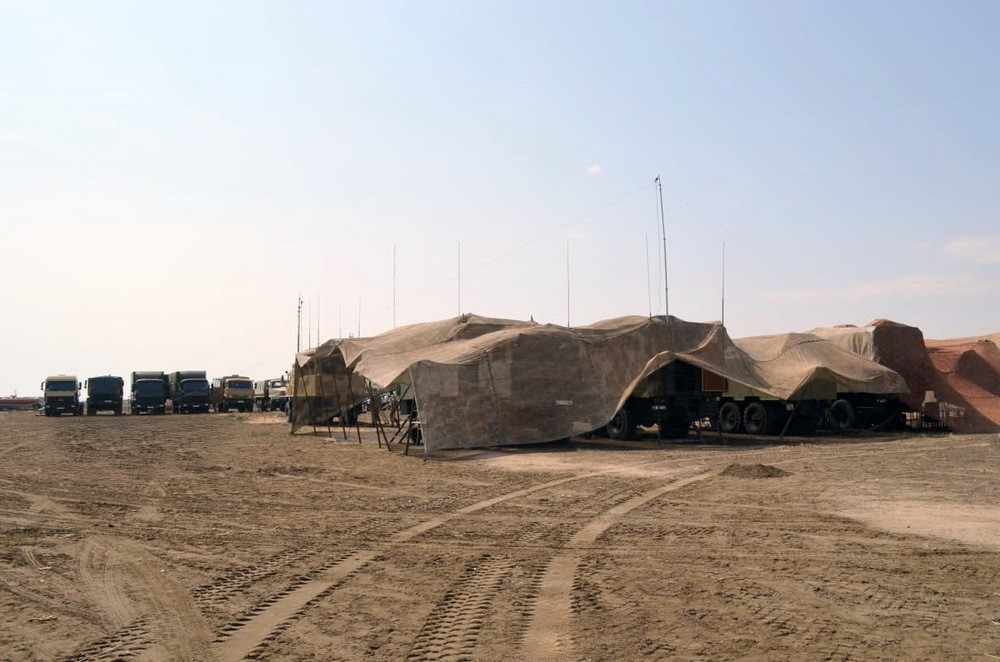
{"x":61,"y":395}
{"x":270,"y":394}
{"x":189,"y":391}
{"x":149,"y":392}
{"x":672,"y":398}
{"x":232,"y":392}
{"x":105,"y":393}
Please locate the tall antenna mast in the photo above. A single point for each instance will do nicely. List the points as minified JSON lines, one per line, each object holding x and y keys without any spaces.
{"x":309,"y":325}
{"x":298,"y":333}
{"x":459,"y":279}
{"x":317,"y":321}
{"x":359,"y":316}
{"x":723,"y":283}
{"x":663,"y":233}
{"x":394,"y":286}
{"x":649,"y":282}
{"x":567,"y":283}
{"x":340,"y":320}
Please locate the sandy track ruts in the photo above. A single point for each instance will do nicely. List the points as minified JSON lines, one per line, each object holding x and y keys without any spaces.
{"x":548,"y":632}
{"x":123,"y":644}
{"x":101,"y":574}
{"x":167,"y":621}
{"x":263,"y":624}
{"x":451,"y":631}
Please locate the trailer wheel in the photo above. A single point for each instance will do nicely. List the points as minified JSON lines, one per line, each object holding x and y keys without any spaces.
{"x":756,"y":419}
{"x":729,"y":417}
{"x":621,"y":426}
{"x":841,"y":416}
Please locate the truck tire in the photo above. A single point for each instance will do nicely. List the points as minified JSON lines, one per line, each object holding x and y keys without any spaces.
{"x":118,"y":410}
{"x":621,"y":426}
{"x":841,"y":416}
{"x":756,"y":419}
{"x":730,"y":418}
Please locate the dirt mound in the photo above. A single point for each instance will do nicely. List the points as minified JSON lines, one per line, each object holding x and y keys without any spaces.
{"x":753,"y":471}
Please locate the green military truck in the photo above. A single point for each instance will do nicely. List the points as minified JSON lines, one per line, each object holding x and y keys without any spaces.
{"x":232,"y":392}
{"x":105,"y":393}
{"x":149,"y":392}
{"x":61,"y":395}
{"x":189,"y":391}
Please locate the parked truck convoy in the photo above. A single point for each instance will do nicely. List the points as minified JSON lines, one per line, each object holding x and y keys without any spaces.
{"x":105,"y":393}
{"x":61,"y":395}
{"x":189,"y":391}
{"x":271,"y":394}
{"x":149,"y":392}
{"x":232,"y":392}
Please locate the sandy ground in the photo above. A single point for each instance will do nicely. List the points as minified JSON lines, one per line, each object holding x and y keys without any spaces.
{"x":223,"y":537}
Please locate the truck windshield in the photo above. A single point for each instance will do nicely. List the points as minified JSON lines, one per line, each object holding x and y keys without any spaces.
{"x":149,"y":387}
{"x":104,"y":386}
{"x":60,"y":385}
{"x":195,"y":386}
{"x":238,"y":383}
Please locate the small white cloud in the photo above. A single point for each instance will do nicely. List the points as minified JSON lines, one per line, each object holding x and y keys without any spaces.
{"x":595,"y":169}
{"x":975,"y":249}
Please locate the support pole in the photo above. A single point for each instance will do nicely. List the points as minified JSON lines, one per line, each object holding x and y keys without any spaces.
{"x":663,"y":233}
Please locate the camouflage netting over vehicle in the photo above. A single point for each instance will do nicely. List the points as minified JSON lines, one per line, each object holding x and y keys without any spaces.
{"x":481,"y":382}
{"x":957,"y":381}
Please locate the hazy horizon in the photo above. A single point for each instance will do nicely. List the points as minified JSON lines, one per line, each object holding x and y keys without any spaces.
{"x":176,"y":176}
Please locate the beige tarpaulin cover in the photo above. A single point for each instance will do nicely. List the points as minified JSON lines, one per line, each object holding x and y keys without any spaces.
{"x":806,"y":366}
{"x":961,"y":377}
{"x":482,"y":382}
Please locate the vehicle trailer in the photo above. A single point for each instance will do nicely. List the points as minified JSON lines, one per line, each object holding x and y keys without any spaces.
{"x":742,"y":409}
{"x":672,"y":398}
{"x":232,"y":392}
{"x":189,"y":391}
{"x":105,"y":393}
{"x":149,"y":392}
{"x":61,"y":395}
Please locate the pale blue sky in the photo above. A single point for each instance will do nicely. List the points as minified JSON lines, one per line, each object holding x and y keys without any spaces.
{"x":172,"y":175}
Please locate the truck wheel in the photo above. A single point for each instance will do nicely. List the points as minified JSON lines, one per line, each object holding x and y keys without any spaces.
{"x":621,"y":426}
{"x":841,"y":416}
{"x":729,"y":417}
{"x":118,"y":411}
{"x":756,"y":419}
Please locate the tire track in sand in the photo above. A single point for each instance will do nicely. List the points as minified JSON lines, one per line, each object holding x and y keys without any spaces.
{"x":452,"y":629}
{"x":272,"y":615}
{"x":548,"y":632}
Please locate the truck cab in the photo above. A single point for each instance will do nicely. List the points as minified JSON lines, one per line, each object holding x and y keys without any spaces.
{"x":232,"y":392}
{"x":191,"y":395}
{"x":189,"y":391}
{"x":61,"y":395}
{"x":149,"y":392}
{"x":672,"y":398}
{"x":105,"y":394}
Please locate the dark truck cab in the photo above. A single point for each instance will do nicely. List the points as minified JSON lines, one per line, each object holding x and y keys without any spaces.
{"x":189,"y":391}
{"x":105,"y":393}
{"x":672,"y":398}
{"x":149,"y":392}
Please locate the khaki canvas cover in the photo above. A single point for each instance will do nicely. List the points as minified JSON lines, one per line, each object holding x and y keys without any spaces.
{"x":894,"y":345}
{"x":954,"y":379}
{"x":482,"y":382}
